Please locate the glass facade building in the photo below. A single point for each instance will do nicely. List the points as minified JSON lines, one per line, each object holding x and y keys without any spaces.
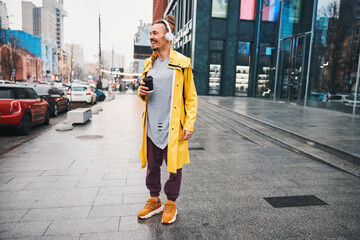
{"x":303,"y":52}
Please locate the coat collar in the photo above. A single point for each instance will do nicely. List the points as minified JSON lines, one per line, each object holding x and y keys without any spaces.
{"x":176,"y":60}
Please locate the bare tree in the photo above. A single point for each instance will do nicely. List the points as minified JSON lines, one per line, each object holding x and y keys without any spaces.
{"x":10,"y":57}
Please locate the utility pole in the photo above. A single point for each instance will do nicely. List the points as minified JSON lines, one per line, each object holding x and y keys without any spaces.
{"x":112,"y":63}
{"x":99,"y":83}
{"x":71,"y":62}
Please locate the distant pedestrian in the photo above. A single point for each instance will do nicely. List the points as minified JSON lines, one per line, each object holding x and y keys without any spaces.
{"x":168,"y":119}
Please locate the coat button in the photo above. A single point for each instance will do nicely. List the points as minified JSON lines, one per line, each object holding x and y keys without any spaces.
{"x":173,"y":129}
{"x":175,"y":107}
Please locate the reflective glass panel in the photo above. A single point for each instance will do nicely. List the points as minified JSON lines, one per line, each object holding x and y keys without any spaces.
{"x":271,"y":10}
{"x":242,"y":69}
{"x":219,"y":8}
{"x":247,"y":9}
{"x":335,"y":55}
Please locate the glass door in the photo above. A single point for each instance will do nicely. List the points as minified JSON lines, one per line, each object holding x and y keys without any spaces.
{"x":292,"y":68}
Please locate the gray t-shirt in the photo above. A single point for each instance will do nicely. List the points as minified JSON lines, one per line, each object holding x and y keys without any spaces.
{"x":159,"y":103}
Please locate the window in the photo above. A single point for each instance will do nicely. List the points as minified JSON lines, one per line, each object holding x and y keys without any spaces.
{"x":242,"y":69}
{"x":219,"y":8}
{"x":247,"y":9}
{"x":271,"y":10}
{"x":7,"y":93}
{"x":26,"y":93}
{"x":216,"y":45}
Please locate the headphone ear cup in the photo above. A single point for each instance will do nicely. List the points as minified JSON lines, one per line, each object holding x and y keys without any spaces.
{"x":169,"y":36}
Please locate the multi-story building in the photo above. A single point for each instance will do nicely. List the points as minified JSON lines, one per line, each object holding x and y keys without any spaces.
{"x":28,"y":67}
{"x":4,"y":17}
{"x":112,"y":59}
{"x":49,"y":58}
{"x":56,"y":7}
{"x":38,"y":21}
{"x":64,"y":65}
{"x":24,"y":40}
{"x":46,"y":21}
{"x":300,"y":52}
{"x":142,"y":48}
{"x":77,"y":53}
{"x":159,"y":7}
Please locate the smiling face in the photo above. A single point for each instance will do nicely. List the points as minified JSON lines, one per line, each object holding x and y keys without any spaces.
{"x":157,"y":37}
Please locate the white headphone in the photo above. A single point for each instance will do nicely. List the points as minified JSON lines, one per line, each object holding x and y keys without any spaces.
{"x":169,"y":35}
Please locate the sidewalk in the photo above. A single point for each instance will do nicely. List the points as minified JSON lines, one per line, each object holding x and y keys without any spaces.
{"x":59,"y":186}
{"x":335,"y":129}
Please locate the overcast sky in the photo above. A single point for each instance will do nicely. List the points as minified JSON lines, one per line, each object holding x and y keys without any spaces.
{"x":119,"y":21}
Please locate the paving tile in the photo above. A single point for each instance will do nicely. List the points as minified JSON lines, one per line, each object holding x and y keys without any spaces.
{"x":33,"y":179}
{"x":62,"y":172}
{"x":135,"y":235}
{"x":51,"y":185}
{"x":13,"y":187}
{"x":139,"y":198}
{"x":112,"y":190}
{"x":93,"y":225}
{"x":29,"y":229}
{"x":72,"y":178}
{"x":115,"y":210}
{"x":9,"y":216}
{"x":55,"y":237}
{"x":109,"y":199}
{"x":43,"y":214}
{"x":101,"y":183}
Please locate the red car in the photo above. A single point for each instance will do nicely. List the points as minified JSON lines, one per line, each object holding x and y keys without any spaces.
{"x":21,"y":108}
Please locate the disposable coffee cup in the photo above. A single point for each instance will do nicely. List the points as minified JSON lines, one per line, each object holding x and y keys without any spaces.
{"x":149,"y":83}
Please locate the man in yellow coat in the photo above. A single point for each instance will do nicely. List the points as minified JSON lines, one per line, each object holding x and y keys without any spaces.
{"x":168,"y":119}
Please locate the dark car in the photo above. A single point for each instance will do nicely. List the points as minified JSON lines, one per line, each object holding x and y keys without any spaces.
{"x":57,"y":100}
{"x":100,"y":95}
{"x":22,"y":108}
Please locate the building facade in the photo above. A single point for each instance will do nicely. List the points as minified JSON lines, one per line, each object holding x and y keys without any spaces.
{"x":142,"y":49}
{"x":4,"y":17}
{"x":304,"y":52}
{"x":49,"y":58}
{"x":64,"y":65}
{"x":56,"y":7}
{"x":38,"y":21}
{"x":24,"y":40}
{"x":19,"y":64}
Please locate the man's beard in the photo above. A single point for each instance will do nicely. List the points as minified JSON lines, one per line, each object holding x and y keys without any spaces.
{"x":155,"y":49}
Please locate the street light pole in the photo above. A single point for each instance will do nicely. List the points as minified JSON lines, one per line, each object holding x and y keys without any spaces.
{"x":99,"y":53}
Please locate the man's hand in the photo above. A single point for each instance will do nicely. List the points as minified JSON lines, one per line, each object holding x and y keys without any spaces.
{"x":143,"y":90}
{"x":186,"y":135}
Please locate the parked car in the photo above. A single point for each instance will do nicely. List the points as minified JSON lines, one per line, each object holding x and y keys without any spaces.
{"x":5,"y":82}
{"x":318,"y":96}
{"x":22,"y":108}
{"x":82,"y":93}
{"x":57,"y":100}
{"x":345,"y":99}
{"x":100,"y":95}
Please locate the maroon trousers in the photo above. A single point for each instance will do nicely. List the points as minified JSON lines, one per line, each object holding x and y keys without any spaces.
{"x":155,"y":158}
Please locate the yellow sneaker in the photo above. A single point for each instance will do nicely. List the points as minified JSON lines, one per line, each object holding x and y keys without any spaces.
{"x":170,"y":212}
{"x":151,"y":208}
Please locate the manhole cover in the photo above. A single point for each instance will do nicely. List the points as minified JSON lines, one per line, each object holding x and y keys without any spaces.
{"x":89,"y":137}
{"x":196,"y":148}
{"x":294,"y":201}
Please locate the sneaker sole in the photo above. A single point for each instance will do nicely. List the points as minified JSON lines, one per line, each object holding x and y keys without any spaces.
{"x":171,"y":221}
{"x":150,"y":214}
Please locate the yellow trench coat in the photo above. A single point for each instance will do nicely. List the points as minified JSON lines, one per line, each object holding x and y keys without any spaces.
{"x":183,"y":110}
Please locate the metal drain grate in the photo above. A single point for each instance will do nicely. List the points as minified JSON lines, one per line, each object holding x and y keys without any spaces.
{"x":196,"y":148}
{"x":295,"y":201}
{"x":89,"y":137}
